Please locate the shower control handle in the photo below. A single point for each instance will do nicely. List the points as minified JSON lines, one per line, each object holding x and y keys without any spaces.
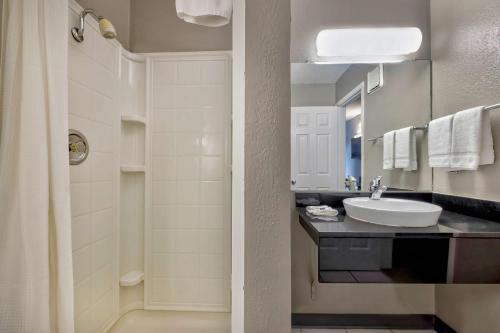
{"x":78,"y":147}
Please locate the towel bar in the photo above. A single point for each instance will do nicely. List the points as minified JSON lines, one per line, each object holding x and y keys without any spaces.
{"x":423,"y":128}
{"x":416,"y":128}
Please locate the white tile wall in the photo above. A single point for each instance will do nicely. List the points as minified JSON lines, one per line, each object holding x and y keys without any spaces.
{"x":92,"y":78}
{"x":190,"y":244}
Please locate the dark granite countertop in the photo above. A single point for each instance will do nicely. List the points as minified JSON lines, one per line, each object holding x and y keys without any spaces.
{"x":450,"y":225}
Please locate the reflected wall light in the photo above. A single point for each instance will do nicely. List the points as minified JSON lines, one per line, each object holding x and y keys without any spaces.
{"x":367,"y":45}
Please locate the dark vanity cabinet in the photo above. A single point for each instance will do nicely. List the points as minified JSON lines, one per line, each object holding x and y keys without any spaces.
{"x":383,"y":260}
{"x":408,"y":259}
{"x":459,"y":249}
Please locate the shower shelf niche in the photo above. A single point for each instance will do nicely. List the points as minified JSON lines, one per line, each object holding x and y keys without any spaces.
{"x":133,"y":168}
{"x":132,"y":278}
{"x":132,"y":118}
{"x":134,"y":175}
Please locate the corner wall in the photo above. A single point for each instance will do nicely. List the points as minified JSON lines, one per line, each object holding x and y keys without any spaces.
{"x":466,"y":73}
{"x":267,"y":167}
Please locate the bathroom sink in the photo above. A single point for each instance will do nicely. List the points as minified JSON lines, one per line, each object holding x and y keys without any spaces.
{"x":393,"y":212}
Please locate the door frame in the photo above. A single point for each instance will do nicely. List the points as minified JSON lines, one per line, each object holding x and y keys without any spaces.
{"x":358,"y":91}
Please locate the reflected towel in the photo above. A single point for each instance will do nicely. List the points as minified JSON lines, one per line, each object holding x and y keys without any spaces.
{"x":388,"y":151}
{"x":405,"y":151}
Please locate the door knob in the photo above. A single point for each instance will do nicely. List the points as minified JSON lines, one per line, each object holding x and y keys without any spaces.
{"x":293,"y":182}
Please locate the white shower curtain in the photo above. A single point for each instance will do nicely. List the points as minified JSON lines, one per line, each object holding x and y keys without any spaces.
{"x":36,"y":277}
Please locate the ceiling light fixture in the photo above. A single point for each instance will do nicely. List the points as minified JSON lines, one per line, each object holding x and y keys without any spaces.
{"x":367,"y":45}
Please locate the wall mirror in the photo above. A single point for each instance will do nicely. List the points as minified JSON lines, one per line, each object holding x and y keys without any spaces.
{"x":341,"y":111}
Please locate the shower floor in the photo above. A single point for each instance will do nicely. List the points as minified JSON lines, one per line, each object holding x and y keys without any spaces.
{"x":172,"y":322}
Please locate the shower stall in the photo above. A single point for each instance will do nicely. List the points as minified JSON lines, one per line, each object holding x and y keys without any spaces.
{"x":150,"y":205}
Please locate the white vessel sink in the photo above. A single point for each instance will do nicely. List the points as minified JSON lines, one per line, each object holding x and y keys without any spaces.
{"x":393,"y":212}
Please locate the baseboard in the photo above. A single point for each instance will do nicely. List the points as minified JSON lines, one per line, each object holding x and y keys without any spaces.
{"x":372,"y":321}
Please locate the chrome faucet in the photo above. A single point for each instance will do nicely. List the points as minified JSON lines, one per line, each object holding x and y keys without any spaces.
{"x":376,"y":189}
{"x":351,"y":183}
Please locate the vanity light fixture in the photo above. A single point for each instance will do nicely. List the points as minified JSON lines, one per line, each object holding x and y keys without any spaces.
{"x":367,"y":45}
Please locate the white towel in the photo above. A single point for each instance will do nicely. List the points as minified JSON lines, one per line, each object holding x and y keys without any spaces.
{"x":439,"y":142}
{"x":211,"y":13}
{"x":471,"y":139}
{"x":388,"y":150}
{"x":322,"y":210}
{"x":405,"y":151}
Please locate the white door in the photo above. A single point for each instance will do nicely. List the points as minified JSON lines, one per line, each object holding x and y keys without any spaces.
{"x":318,"y":148}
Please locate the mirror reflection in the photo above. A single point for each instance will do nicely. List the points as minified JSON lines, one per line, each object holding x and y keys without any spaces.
{"x":340,"y":113}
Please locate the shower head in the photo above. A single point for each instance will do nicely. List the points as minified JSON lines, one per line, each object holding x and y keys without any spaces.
{"x":106,"y":27}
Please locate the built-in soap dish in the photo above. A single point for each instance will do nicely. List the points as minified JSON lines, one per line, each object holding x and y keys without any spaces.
{"x":133,"y":168}
{"x":132,"y":118}
{"x":132,"y":278}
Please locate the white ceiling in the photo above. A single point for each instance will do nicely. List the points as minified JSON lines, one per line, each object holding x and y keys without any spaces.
{"x":316,"y":73}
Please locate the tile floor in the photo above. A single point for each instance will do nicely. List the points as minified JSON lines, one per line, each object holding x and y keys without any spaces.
{"x":206,"y":322}
{"x":173,"y":322}
{"x":315,"y":330}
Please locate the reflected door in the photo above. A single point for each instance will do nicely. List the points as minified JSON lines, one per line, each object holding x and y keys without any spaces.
{"x":317,"y":154}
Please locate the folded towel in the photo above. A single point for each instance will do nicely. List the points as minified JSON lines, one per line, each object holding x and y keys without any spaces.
{"x":439,"y":142}
{"x":211,"y":13}
{"x":405,"y":149}
{"x":388,"y":150}
{"x":322,"y":210}
{"x":324,"y":218}
{"x":471,"y":139}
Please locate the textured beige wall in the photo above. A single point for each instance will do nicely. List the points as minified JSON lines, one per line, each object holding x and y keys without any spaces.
{"x":404,"y":100}
{"x":155,"y":27}
{"x":313,"y":94}
{"x":309,"y":17}
{"x":469,"y":308}
{"x":350,"y":298}
{"x":466,"y":72}
{"x":117,"y":11}
{"x":267,"y":167}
